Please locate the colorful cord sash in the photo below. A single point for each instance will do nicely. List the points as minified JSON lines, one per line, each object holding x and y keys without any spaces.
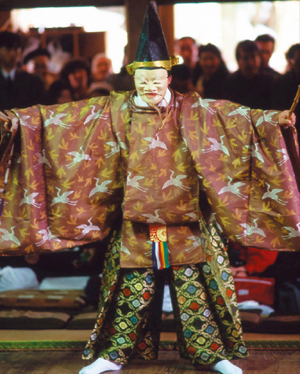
{"x":158,"y":237}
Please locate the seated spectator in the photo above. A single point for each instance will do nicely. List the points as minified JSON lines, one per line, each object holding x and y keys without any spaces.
{"x":100,"y":67}
{"x":18,"y":89}
{"x":181,"y":79}
{"x":248,"y":86}
{"x":75,"y":73}
{"x":286,"y":86}
{"x":266,"y":45}
{"x":37,"y":62}
{"x":58,"y":93}
{"x":213,"y":72}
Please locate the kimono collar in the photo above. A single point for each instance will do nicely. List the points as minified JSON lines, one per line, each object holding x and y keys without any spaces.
{"x":138,"y":101}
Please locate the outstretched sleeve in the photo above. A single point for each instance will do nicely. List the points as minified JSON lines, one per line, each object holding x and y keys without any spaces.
{"x":243,"y":163}
{"x":59,"y":177}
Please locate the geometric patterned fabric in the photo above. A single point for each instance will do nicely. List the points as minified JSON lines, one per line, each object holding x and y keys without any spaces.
{"x":204,"y":304}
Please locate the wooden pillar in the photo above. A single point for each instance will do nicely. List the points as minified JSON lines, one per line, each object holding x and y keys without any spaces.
{"x":135,"y":12}
{"x":166,"y":15}
{"x":4,"y":20}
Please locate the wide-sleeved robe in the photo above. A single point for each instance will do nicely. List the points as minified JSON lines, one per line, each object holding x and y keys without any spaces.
{"x":76,"y":169}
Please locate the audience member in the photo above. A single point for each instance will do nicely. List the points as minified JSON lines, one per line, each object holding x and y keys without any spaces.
{"x":266,"y":45}
{"x":37,"y":62}
{"x":100,"y":67}
{"x":75,"y":73}
{"x":289,"y":55}
{"x":181,"y":79}
{"x":18,"y":89}
{"x":187,"y":49}
{"x":248,"y":86}
{"x":122,"y":81}
{"x":58,"y":93}
{"x":249,"y":260}
{"x":213,"y":72}
{"x":286,"y":86}
{"x":99,"y":89}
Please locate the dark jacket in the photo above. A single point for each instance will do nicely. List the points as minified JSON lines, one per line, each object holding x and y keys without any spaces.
{"x":24,"y":91}
{"x":254,"y":93}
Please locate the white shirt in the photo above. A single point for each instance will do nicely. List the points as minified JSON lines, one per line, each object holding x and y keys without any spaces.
{"x":11,"y":74}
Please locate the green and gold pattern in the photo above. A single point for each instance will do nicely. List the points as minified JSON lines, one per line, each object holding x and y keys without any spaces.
{"x":205,"y":309}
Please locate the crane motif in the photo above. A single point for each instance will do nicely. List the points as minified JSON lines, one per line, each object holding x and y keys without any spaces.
{"x":100,"y":188}
{"x":6,"y":236}
{"x":63,"y":198}
{"x":285,"y":156}
{"x":30,"y":199}
{"x":267,"y":117}
{"x":154,"y":219}
{"x":56,"y":120}
{"x":114,"y":149}
{"x":46,"y":235}
{"x":122,"y":144}
{"x":78,"y":157}
{"x":243,"y":111}
{"x":204,"y":103}
{"x":133,"y":182}
{"x":86,"y":229}
{"x":273,"y":195}
{"x":176,"y":181}
{"x":292,"y":232}
{"x":249,"y":230}
{"x":196,"y":243}
{"x":95,"y":115}
{"x":253,"y":153}
{"x":192,"y":215}
{"x":41,"y":159}
{"x":25,"y":124}
{"x":154,"y":144}
{"x":233,"y":188}
{"x":216,"y":146}
{"x":124,"y":249}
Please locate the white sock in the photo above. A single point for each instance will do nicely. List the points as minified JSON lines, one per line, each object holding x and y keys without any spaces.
{"x":226,"y":367}
{"x":100,"y":366}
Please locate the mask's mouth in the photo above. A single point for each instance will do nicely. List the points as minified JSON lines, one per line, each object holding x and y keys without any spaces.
{"x":151,"y":94}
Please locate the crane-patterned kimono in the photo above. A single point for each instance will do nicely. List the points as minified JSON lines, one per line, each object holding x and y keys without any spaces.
{"x":71,"y":173}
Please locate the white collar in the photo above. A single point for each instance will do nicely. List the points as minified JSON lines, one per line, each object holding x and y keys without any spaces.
{"x":164,"y":102}
{"x":11,"y":74}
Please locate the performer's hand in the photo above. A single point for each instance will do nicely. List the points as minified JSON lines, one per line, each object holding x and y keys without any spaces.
{"x":284,"y":121}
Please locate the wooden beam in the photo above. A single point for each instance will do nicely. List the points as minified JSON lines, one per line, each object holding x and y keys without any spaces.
{"x":166,"y":15}
{"x":19,"y":4}
{"x":4,"y":20}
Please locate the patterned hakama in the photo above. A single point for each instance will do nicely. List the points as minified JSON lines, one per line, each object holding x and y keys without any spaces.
{"x":204,"y":302}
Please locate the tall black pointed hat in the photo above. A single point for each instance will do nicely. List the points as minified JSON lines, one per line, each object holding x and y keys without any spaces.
{"x":152,"y":50}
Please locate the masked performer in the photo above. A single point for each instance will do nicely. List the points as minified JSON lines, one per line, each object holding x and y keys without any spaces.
{"x":166,"y":174}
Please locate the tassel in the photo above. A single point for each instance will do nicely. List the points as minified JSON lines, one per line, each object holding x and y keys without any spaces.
{"x":158,"y":236}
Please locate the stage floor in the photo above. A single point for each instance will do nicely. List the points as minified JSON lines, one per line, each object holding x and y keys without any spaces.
{"x":76,"y":340}
{"x":69,"y":362}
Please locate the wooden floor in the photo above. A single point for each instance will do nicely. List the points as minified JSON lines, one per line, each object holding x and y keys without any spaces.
{"x":69,"y":362}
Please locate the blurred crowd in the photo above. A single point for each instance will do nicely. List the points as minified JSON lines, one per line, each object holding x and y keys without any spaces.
{"x":26,"y":80}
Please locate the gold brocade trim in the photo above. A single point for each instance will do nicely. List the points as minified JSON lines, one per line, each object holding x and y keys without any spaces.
{"x":166,"y":64}
{"x":158,"y":233}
